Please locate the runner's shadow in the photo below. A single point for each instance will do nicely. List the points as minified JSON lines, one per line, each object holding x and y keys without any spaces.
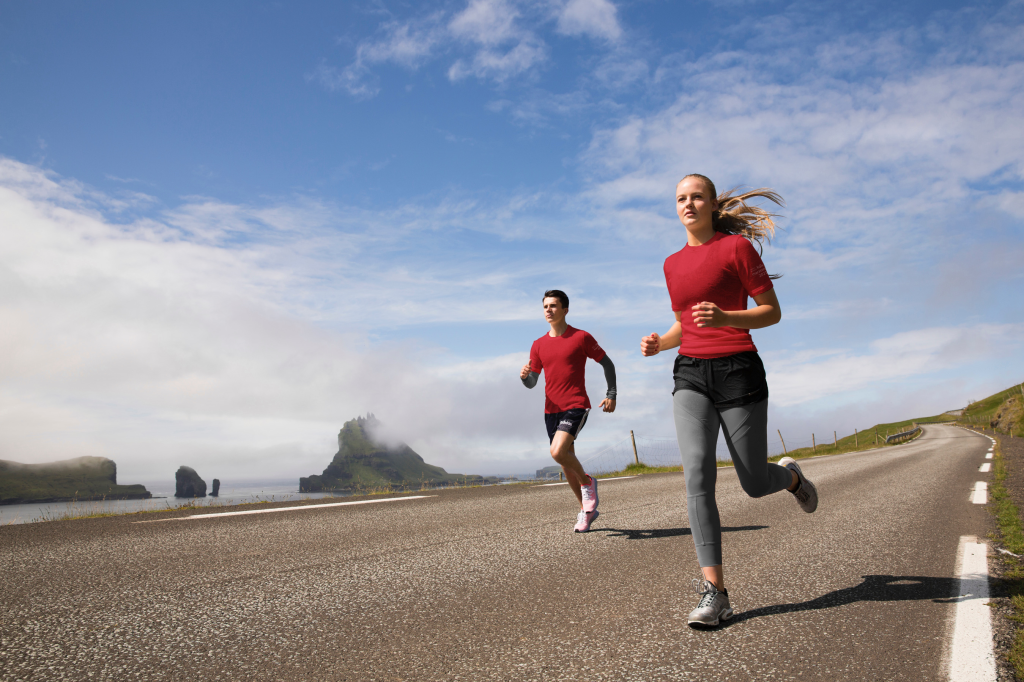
{"x":874,"y":588}
{"x":665,"y":532}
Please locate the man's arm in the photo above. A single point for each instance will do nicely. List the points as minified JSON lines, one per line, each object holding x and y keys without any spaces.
{"x":608,"y":404}
{"x":528,"y":376}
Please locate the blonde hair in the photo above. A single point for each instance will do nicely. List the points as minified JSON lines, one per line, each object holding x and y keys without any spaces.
{"x":735,"y":216}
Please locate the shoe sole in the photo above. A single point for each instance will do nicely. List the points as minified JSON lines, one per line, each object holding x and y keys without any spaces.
{"x":592,"y":519}
{"x":699,"y":624}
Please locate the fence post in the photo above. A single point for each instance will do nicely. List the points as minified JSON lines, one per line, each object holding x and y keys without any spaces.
{"x":835,"y":439}
{"x":814,"y":446}
{"x":784,"y":450}
{"x":856,"y":439}
{"x":559,"y":475}
{"x":636,"y":457}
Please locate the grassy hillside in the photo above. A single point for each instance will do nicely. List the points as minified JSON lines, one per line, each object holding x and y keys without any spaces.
{"x":82,"y":478}
{"x":364,"y":461}
{"x":1001,"y":411}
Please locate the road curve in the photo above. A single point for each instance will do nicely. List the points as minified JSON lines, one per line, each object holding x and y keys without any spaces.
{"x":489,"y":583}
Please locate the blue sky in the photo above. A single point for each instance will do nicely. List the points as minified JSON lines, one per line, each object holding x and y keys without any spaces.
{"x":230,"y":227}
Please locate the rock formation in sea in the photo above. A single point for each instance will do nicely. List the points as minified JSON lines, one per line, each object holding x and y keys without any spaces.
{"x":81,"y":478}
{"x":367,"y":459}
{"x":188,"y":484}
{"x":215,"y":492}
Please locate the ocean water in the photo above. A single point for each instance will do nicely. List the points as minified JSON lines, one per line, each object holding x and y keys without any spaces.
{"x":163,"y":498}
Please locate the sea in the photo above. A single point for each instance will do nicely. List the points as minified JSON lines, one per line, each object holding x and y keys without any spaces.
{"x":163,"y":498}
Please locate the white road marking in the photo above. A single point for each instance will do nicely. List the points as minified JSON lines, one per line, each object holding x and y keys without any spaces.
{"x":988,"y":456}
{"x":287,"y":509}
{"x":971,"y":658}
{"x":617,"y":478}
{"x":985,"y":468}
{"x":980,"y":494}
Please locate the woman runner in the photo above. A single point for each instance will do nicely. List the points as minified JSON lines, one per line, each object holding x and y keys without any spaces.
{"x":719,"y":378}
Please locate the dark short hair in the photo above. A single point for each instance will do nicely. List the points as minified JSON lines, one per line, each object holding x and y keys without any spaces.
{"x":560,"y":295}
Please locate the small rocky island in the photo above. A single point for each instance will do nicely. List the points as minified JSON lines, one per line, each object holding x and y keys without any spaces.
{"x":365,"y":461}
{"x":69,"y":480}
{"x":187,"y":483}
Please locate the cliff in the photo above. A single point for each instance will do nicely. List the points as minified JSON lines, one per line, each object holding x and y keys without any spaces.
{"x":364,"y":460}
{"x":82,"y":478}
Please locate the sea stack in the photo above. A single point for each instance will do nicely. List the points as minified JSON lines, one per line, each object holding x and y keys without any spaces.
{"x":216,"y":488}
{"x":188,"y":484}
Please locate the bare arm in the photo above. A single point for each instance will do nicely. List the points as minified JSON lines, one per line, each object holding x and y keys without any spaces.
{"x":654,"y":344}
{"x":765,"y":314}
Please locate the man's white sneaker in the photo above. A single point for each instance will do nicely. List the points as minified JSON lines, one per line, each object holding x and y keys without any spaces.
{"x":589,"y":492}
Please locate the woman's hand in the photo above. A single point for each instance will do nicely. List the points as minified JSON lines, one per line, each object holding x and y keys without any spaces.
{"x":707,"y":314}
{"x":650,"y":345}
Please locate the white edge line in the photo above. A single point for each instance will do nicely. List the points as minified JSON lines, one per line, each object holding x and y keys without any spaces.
{"x":285,"y":509}
{"x":617,"y":478}
{"x":988,"y":456}
{"x":985,"y":468}
{"x":980,"y":494}
{"x":971,"y":658}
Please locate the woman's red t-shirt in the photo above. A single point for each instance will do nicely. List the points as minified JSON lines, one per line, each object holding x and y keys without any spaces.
{"x":725,"y":270}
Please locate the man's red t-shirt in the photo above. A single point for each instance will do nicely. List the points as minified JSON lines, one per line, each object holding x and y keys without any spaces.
{"x":725,"y":270}
{"x":563,"y":359}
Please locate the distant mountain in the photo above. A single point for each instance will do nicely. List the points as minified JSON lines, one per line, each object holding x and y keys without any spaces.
{"x":82,"y":478}
{"x":365,"y":460}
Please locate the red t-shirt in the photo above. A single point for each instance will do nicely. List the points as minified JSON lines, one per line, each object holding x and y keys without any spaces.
{"x":724,"y":270}
{"x":564,"y":359}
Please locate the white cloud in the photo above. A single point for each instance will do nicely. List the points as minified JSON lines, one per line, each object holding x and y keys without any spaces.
{"x":799,"y":378}
{"x":595,"y":18}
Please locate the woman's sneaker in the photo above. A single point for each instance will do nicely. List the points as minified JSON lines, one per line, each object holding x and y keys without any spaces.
{"x":589,"y":493}
{"x":713,"y":606}
{"x":583,"y":521}
{"x":806,"y":494}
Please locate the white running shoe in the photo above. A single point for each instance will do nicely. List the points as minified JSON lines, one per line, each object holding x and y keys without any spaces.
{"x":806,"y":494}
{"x":713,"y":606}
{"x":583,"y":521}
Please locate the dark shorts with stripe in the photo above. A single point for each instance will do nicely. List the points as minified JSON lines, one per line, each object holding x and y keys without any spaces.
{"x":570,"y":421}
{"x":732,"y":381}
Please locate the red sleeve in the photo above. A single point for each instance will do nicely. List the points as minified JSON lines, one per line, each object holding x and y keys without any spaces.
{"x":594,"y":351}
{"x":676,"y":305}
{"x":751,"y":269}
{"x":535,"y":364}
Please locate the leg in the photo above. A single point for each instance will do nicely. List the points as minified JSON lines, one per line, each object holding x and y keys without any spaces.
{"x":697,"y":425}
{"x":563,"y":451}
{"x":746,"y":434}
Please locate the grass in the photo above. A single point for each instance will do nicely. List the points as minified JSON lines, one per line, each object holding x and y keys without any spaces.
{"x":980,"y":412}
{"x":1010,"y":533}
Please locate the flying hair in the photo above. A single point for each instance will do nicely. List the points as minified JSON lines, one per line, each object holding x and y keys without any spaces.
{"x":736,"y":216}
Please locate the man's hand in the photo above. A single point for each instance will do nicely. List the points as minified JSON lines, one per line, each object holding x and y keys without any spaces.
{"x":650,"y":345}
{"x":608,"y":405}
{"x":707,"y":314}
{"x":525,"y":371}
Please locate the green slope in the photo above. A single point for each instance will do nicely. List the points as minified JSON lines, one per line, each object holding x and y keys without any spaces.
{"x":82,"y":478}
{"x":366,"y":462}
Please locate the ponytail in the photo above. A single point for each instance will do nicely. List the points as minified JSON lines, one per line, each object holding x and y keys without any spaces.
{"x":736,"y":216}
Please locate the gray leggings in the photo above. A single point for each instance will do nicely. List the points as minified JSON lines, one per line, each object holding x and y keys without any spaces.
{"x":746,"y":433}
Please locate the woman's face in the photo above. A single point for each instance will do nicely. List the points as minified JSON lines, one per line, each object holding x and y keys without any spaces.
{"x":694,"y":204}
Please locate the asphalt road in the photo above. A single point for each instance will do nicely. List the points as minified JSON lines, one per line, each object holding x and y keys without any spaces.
{"x":490,"y":583}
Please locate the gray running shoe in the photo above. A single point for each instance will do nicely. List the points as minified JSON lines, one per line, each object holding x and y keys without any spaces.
{"x":712,"y":607}
{"x":806,"y":494}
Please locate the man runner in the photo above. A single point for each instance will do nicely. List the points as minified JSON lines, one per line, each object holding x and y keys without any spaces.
{"x":563,"y":353}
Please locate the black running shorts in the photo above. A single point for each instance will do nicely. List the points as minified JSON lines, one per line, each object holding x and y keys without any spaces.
{"x":731,"y":381}
{"x":570,"y":421}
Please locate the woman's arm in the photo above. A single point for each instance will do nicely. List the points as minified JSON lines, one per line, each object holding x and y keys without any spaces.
{"x":767,"y":313}
{"x":654,"y":344}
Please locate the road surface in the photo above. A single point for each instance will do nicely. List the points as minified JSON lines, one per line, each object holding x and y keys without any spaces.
{"x":490,"y":583}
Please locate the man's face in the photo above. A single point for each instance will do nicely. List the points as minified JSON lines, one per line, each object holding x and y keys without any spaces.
{"x":554,"y":313}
